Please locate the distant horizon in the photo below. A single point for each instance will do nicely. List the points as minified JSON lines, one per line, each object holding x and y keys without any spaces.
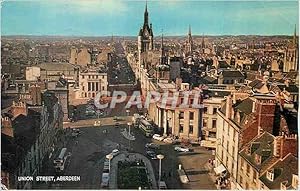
{"x":117,"y":36}
{"x":124,"y":18}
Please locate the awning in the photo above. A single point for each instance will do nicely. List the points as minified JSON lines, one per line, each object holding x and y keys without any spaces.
{"x":219,"y":169}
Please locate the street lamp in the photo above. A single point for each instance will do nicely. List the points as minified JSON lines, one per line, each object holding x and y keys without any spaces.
{"x":160,"y":157}
{"x":129,"y":134}
{"x":129,"y":125}
{"x":109,"y":157}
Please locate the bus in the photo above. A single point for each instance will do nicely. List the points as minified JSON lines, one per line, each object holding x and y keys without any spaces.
{"x":60,"y":161}
{"x":146,"y":127}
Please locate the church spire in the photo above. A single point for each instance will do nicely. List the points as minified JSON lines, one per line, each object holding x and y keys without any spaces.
{"x":190,"y":31}
{"x":203,"y":43}
{"x":146,"y":15}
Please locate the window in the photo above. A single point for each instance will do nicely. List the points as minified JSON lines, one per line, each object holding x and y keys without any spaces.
{"x":248,"y":170}
{"x":191,"y":101}
{"x":205,"y":110}
{"x":82,"y":76}
{"x":97,"y":86}
{"x":191,"y":129}
{"x":241,"y":180}
{"x":295,"y":181}
{"x":215,"y":110}
{"x":254,"y":176}
{"x":283,"y":185}
{"x":242,"y":164}
{"x":191,"y":115}
{"x":247,"y":186}
{"x":214,"y":123}
{"x":204,"y":123}
{"x":89,"y":86}
{"x":233,"y":151}
{"x":270,"y":175}
{"x":181,"y":100}
{"x":89,"y":77}
{"x":102,"y":87}
{"x":180,"y":128}
{"x":82,"y":88}
{"x":181,"y":115}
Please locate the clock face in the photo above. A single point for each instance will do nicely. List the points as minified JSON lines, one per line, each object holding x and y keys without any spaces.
{"x":146,"y":33}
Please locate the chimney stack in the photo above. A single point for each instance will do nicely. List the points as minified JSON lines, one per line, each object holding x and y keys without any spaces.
{"x":228,"y":107}
{"x":18,"y":109}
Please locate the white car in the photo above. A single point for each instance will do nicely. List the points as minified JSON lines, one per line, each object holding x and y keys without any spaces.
{"x":169,"y":140}
{"x":181,"y":149}
{"x":115,"y":152}
{"x":158,"y":137}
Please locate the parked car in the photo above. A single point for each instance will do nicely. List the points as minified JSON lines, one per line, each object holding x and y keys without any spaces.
{"x":181,"y":149}
{"x":169,"y":140}
{"x":117,"y":125}
{"x":115,"y":152}
{"x":152,"y":146}
{"x":157,"y":137}
{"x":151,"y":154}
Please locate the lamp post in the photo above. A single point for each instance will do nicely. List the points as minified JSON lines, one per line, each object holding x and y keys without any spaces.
{"x":129,"y":133}
{"x":160,"y":157}
{"x":109,"y":157}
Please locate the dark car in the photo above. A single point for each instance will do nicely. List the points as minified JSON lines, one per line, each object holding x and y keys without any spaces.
{"x":151,"y":154}
{"x":152,"y":146}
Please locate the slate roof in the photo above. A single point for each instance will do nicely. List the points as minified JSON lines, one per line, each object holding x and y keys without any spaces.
{"x":262,"y":145}
{"x":223,"y":64}
{"x":256,"y":84}
{"x":284,"y":169}
{"x":245,"y":106}
{"x":291,"y":88}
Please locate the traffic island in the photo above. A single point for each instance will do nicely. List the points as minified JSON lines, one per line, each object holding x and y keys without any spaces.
{"x":133,"y":175}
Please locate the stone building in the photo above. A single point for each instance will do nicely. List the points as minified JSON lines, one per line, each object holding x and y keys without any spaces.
{"x":240,"y":122}
{"x":28,"y":135}
{"x":92,"y":81}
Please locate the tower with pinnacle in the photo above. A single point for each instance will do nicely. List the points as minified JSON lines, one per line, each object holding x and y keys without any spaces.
{"x":145,"y":37}
{"x":291,"y":56}
{"x":190,"y":41}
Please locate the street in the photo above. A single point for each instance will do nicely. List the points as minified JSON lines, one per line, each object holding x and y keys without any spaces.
{"x":93,"y":144}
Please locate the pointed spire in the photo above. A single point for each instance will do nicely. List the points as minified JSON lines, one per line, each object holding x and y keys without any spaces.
{"x":146,"y":7}
{"x":203,"y":43}
{"x":190,"y":31}
{"x":146,"y":15}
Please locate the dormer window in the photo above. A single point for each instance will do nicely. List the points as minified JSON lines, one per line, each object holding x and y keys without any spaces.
{"x":257,"y":159}
{"x":295,"y":181}
{"x":270,"y":175}
{"x":283,"y":185}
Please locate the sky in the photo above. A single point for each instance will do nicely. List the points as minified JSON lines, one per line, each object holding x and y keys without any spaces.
{"x":124,"y":17}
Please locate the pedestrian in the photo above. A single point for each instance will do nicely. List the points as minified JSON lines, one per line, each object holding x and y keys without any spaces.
{"x":170,"y":174}
{"x":164,"y":174}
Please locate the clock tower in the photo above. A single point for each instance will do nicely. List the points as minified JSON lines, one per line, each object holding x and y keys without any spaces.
{"x":145,"y":38}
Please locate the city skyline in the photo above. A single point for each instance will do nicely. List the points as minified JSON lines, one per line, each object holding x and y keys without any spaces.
{"x":100,"y":18}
